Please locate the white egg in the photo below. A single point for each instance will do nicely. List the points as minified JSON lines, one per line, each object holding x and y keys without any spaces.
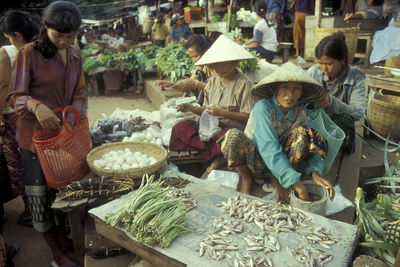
{"x":119,"y":161}
{"x":153,"y":161}
{"x":127,"y":151}
{"x":149,"y":136}
{"x":101,"y":163}
{"x":159,"y":142}
{"x":125,"y":166}
{"x":116,"y":167}
{"x":134,"y":165}
{"x":113,"y":153}
{"x":109,"y":165}
{"x":141,"y":136}
{"x":126,"y":139}
{"x":137,"y":154}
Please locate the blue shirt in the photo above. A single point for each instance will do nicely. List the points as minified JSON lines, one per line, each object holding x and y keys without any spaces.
{"x":176,"y":34}
{"x":354,"y":88}
{"x":267,"y":134}
{"x":276,"y":6}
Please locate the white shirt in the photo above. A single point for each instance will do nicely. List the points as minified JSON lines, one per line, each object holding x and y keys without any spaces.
{"x":268,"y":40}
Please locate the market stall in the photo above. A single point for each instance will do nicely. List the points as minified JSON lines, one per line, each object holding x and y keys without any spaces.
{"x":194,"y":249}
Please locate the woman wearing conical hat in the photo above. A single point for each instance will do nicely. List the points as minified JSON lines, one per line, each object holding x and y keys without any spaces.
{"x":279,"y":141}
{"x":226,"y":95}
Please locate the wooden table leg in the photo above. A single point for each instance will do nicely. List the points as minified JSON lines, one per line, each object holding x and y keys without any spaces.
{"x":77,"y":231}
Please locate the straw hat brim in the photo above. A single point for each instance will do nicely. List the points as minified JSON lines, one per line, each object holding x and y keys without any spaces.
{"x":313,"y":92}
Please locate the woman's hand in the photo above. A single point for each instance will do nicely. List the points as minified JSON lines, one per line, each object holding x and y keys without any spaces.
{"x":322,"y":182}
{"x":47,"y":118}
{"x":184,"y":108}
{"x":301,"y":191}
{"x":185,"y":85}
{"x":283,"y":194}
{"x":164,"y":84}
{"x":324,"y":103}
{"x":215,"y":110}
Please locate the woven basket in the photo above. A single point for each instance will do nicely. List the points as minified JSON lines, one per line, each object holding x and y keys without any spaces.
{"x":151,"y":150}
{"x":350,"y":34}
{"x":384,"y":115}
{"x":392,"y":62}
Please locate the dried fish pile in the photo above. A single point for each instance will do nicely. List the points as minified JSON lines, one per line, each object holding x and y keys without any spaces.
{"x":224,"y":242}
{"x":310,"y":255}
{"x":185,"y":197}
{"x":221,"y":238}
{"x":177,"y":182}
{"x":268,"y":216}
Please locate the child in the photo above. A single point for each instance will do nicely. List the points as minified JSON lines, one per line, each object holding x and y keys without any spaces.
{"x":48,"y":74}
{"x":264,"y":37}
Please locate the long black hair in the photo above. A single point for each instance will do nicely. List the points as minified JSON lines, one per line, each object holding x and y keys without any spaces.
{"x":22,"y":22}
{"x":62,"y":16}
{"x":333,"y":46}
{"x":260,"y":7}
{"x":199,"y":42}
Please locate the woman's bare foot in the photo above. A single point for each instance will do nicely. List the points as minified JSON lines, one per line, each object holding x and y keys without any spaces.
{"x":215,"y":163}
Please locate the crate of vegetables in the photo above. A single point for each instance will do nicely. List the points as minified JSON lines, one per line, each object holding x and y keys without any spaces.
{"x":127,"y":159}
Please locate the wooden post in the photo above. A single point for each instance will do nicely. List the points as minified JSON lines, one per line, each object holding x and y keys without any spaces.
{"x":228,"y":26}
{"x":206,"y":27}
{"x":317,"y":11}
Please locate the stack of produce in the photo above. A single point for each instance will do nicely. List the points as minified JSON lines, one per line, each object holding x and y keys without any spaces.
{"x":110,"y":130}
{"x":379,"y":219}
{"x":152,"y":215}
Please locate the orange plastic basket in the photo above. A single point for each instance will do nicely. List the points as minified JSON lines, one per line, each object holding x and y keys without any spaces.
{"x":63,"y":155}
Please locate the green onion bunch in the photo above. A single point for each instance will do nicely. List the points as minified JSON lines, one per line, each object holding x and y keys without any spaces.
{"x":152,"y":215}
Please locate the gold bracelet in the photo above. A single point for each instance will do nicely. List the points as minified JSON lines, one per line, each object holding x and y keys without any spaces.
{"x":195,"y":85}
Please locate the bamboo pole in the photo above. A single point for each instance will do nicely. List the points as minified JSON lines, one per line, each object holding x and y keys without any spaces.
{"x":206,"y":27}
{"x":228,"y":26}
{"x":317,"y":12}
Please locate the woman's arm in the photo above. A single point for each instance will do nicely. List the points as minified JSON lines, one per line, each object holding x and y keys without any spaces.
{"x":267,"y":143}
{"x":219,"y":111}
{"x":189,"y":108}
{"x":356,"y":106}
{"x":252,"y":44}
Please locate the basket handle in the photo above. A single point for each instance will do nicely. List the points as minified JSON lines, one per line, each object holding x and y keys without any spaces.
{"x":64,"y":116}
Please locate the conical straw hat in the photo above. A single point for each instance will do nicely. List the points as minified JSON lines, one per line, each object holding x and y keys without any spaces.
{"x":224,"y":50}
{"x":313,"y":92}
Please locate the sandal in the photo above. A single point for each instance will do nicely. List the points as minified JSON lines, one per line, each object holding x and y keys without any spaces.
{"x":25,"y":222}
{"x":12,"y":250}
{"x":55,"y":264}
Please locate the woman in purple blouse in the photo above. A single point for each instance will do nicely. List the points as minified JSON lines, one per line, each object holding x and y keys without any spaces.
{"x":47,"y":75}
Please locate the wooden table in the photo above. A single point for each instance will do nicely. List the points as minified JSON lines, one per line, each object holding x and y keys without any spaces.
{"x":76,"y":211}
{"x":379,"y":82}
{"x":182,"y":251}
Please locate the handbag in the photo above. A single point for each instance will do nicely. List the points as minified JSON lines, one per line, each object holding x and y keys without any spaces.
{"x":332,"y":133}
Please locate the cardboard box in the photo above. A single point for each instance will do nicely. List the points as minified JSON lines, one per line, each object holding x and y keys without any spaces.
{"x":192,"y":14}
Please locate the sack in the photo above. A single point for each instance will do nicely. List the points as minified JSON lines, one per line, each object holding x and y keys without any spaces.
{"x":208,"y":126}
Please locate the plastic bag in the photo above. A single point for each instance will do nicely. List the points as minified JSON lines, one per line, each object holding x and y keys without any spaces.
{"x":229,"y":179}
{"x":339,"y":203}
{"x":208,"y":126}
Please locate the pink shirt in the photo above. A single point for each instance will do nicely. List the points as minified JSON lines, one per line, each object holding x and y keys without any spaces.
{"x":36,"y":79}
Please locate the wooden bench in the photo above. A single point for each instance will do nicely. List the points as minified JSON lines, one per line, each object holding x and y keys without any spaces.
{"x":184,"y":157}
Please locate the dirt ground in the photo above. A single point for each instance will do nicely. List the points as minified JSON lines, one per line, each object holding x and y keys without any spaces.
{"x":33,"y":249}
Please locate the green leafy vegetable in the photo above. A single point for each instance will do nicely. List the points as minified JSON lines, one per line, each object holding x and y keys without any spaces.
{"x":174,"y":62}
{"x":249,"y":65}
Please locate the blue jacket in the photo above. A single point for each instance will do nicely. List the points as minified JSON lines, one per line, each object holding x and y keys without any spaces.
{"x":354,"y":87}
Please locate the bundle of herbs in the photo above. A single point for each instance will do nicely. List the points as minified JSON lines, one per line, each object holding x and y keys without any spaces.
{"x":249,"y":65}
{"x":152,"y":215}
{"x":174,"y":62}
